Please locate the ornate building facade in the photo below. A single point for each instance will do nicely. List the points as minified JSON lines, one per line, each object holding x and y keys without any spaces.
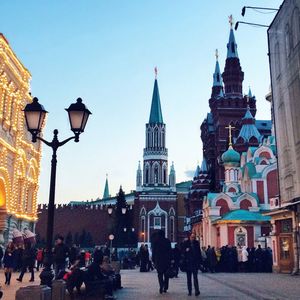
{"x":229,"y":107}
{"x":19,"y":158}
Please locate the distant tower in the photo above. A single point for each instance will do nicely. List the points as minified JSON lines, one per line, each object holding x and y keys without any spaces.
{"x":217,"y":89}
{"x":139,"y":178}
{"x":106,"y":189}
{"x":172,"y":178}
{"x":155,"y":152}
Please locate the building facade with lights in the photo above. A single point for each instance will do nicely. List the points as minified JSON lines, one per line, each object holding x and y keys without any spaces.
{"x":20,"y":159}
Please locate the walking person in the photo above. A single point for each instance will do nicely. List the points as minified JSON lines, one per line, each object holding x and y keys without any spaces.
{"x":161,"y":256}
{"x":192,"y":257}
{"x":28,"y":261}
{"x":244,"y":259}
{"x":9,"y":262}
{"x":61,"y":252}
{"x":39,"y":259}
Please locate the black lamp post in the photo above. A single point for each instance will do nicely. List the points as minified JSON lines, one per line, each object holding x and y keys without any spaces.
{"x":35,"y":115}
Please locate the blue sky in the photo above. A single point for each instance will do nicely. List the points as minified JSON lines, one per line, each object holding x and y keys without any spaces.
{"x":105,"y":52}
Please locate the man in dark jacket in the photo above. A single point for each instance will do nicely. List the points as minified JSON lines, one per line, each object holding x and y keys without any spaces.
{"x":192,"y":256}
{"x":161,"y":256}
{"x":60,"y":253}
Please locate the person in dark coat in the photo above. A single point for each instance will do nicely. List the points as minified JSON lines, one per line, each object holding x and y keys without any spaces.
{"x":60,"y":254}
{"x":161,"y":257}
{"x":28,"y":261}
{"x":211,"y":259}
{"x":192,"y":256}
{"x":258,"y":254}
{"x":176,"y":258}
{"x":18,"y":258}
{"x":9,"y":262}
{"x":144,"y":258}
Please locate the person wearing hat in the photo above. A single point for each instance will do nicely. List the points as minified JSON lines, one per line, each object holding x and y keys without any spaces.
{"x":28,"y":261}
{"x":60,"y":254}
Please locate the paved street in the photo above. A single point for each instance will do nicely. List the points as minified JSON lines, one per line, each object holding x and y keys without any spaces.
{"x":213,"y":286}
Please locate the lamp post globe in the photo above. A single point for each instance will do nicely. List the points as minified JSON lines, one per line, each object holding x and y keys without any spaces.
{"x":35,"y":114}
{"x":78,"y":116}
{"x":124,"y":210}
{"x":110,"y":210}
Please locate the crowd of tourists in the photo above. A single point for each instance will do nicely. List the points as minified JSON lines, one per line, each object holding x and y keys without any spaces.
{"x":236,"y":259}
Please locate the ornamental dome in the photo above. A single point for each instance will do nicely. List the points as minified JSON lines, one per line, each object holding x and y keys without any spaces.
{"x":231,"y":156}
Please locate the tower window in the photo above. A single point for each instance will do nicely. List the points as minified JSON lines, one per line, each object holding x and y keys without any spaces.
{"x":156,"y":175}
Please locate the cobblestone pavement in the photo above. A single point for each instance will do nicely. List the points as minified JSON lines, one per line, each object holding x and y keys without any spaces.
{"x":244,"y":286}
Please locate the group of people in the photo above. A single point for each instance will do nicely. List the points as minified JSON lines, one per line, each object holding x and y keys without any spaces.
{"x":236,"y":259}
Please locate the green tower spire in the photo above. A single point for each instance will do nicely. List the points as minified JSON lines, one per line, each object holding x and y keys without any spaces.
{"x":155,"y":113}
{"x":106,"y":189}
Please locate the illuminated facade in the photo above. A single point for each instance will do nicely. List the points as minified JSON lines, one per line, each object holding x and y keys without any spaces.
{"x":19,"y":158}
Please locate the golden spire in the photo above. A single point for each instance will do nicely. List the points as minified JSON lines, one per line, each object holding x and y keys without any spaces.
{"x":230,"y":134}
{"x":231,"y":21}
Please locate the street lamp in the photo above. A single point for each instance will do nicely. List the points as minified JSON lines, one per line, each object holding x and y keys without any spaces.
{"x":124,"y":209}
{"x":35,"y":115}
{"x":111,"y":238}
{"x":110,"y":209}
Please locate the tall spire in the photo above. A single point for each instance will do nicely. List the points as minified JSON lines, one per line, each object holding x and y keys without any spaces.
{"x":155,"y":113}
{"x":233,"y":75}
{"x":217,"y":89}
{"x":217,"y":75}
{"x":106,"y":189}
{"x":232,"y":45}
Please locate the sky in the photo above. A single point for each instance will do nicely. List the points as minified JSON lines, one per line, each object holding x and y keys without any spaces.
{"x":105,"y":51}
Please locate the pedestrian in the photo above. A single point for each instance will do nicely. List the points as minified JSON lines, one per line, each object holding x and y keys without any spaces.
{"x":9,"y":261}
{"x":39,"y":258}
{"x":192,"y":260}
{"x":144,"y":258}
{"x":176,"y":258}
{"x":258,"y":254}
{"x":87,"y":258}
{"x":28,"y":261}
{"x":1,"y":256}
{"x":60,"y":253}
{"x":244,"y":259}
{"x":74,"y":251}
{"x":161,"y":256}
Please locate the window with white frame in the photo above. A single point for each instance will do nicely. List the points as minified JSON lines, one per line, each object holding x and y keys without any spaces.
{"x":157,"y":223}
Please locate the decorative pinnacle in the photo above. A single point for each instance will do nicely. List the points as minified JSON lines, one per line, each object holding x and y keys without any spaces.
{"x":230,"y":134}
{"x":155,"y":71}
{"x":217,"y":54}
{"x":231,"y":22}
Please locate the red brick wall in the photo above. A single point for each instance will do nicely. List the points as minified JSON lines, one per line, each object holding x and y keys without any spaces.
{"x":231,"y":235}
{"x":67,"y":219}
{"x":250,"y":236}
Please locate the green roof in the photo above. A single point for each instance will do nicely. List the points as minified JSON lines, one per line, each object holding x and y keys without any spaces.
{"x":106,"y":190}
{"x":245,"y":215}
{"x":231,"y":156}
{"x":155,"y":113}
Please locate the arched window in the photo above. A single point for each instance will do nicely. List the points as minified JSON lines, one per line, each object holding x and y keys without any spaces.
{"x":156,"y":174}
{"x":147,"y":175}
{"x":155,"y":137}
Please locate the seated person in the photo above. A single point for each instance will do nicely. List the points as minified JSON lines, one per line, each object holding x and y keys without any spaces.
{"x":94,"y":273}
{"x":108,"y":270}
{"x":74,"y":278}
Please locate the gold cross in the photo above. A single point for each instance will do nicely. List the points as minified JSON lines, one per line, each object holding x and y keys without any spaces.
{"x":230,"y":134}
{"x":217,"y":54}
{"x":230,"y":21}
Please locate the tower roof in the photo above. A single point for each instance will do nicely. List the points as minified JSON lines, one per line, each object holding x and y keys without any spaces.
{"x":204,"y":168}
{"x":217,"y":74}
{"x":232,"y":46}
{"x":197,"y":172}
{"x":231,"y":156}
{"x":106,"y":189}
{"x":155,"y":113}
{"x":249,"y":128}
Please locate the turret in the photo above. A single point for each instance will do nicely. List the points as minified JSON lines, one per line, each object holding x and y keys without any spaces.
{"x":139,"y":178}
{"x":217,"y":88}
{"x":172,"y":177}
{"x":106,"y":189}
{"x":233,"y":75}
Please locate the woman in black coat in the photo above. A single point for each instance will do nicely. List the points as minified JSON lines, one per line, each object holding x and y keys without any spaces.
{"x":161,"y":257}
{"x":28,"y":261}
{"x":192,"y":259}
